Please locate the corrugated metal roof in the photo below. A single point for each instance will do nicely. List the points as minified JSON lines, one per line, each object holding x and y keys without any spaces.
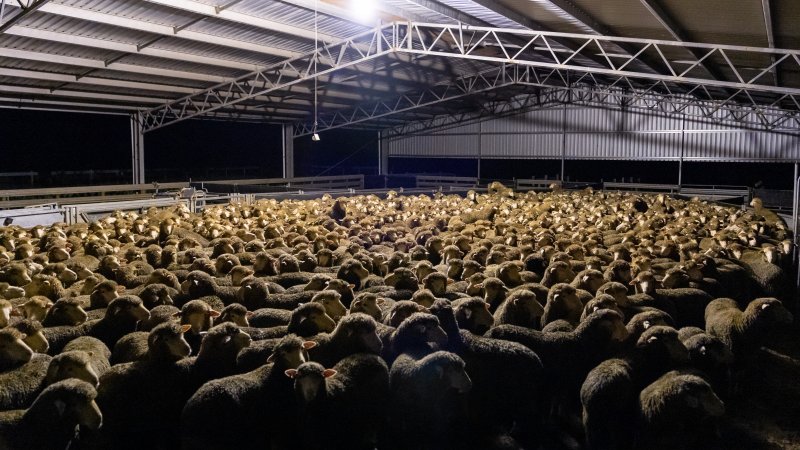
{"x":158,"y":43}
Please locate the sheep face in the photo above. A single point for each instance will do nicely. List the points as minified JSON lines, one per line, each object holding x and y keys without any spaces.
{"x":71,"y":365}
{"x":5,"y":313}
{"x":309,"y":380}
{"x":66,"y":313}
{"x":37,"y":342}
{"x":367,"y":304}
{"x":13,"y":351}
{"x":104,"y":293}
{"x":436,"y":283}
{"x":474,"y":316}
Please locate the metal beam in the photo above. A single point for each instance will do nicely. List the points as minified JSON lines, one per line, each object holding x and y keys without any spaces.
{"x":137,"y":149}
{"x":332,"y":10}
{"x":444,"y":92}
{"x":327,"y":59}
{"x":233,"y":16}
{"x":24,"y":12}
{"x":768,"y":26}
{"x":164,"y":30}
{"x":287,"y":156}
{"x":677,"y":33}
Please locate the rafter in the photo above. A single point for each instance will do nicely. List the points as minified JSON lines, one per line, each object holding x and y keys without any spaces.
{"x":25,"y":10}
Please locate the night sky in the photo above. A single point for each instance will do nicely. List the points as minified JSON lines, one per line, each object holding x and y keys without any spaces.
{"x":201,"y":149}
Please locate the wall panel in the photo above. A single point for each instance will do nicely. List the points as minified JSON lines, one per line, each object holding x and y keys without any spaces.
{"x":594,"y":133}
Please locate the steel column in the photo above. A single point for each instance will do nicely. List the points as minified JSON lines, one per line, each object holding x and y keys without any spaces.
{"x":288,"y":151}
{"x":683,"y":147}
{"x":137,"y":149}
{"x":563,"y":139}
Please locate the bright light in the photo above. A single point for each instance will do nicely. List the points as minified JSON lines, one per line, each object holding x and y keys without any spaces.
{"x":364,"y":10}
{"x":315,"y":137}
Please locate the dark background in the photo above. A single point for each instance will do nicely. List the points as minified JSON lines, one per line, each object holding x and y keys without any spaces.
{"x":48,"y":142}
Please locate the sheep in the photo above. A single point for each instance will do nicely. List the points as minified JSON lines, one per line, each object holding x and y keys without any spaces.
{"x":13,"y":350}
{"x":343,"y":407}
{"x":366,"y":303}
{"x":499,"y":401}
{"x":588,"y":280}
{"x":744,"y":331}
{"x":65,"y":312}
{"x":158,"y":315}
{"x":45,"y":285}
{"x":522,"y":308}
{"x":157,"y":294}
{"x":239,"y":315}
{"x":602,"y":301}
{"x":426,"y":401}
{"x":710,"y":356}
{"x":200,"y":316}
{"x":473,"y":314}
{"x":103,"y":293}
{"x":36,"y":308}
{"x":121,"y":318}
{"x":562,"y":303}
{"x":353,"y":334}
{"x":33,"y":335}
{"x":400,"y":311}
{"x":307,"y":320}
{"x":675,"y":411}
{"x":23,"y":372}
{"x":138,"y":399}
{"x":568,"y":357}
{"x":5,"y":313}
{"x":236,"y":404}
{"x":332,"y":301}
{"x":256,"y":294}
{"x":59,"y":409}
{"x":609,"y":392}
{"x":199,"y":284}
{"x":217,"y":356}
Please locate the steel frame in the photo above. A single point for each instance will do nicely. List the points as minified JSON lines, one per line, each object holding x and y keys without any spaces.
{"x":680,"y":88}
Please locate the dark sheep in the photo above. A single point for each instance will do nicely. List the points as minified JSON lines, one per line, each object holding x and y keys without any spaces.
{"x":23,"y":372}
{"x":157,"y":294}
{"x":199,"y":284}
{"x":65,"y":312}
{"x":141,"y":400}
{"x":236,"y":404}
{"x":426,"y":409}
{"x":568,"y":357}
{"x":158,"y":315}
{"x":239,"y":315}
{"x":255,"y":294}
{"x":400,"y":311}
{"x":307,"y":320}
{"x":217,"y":355}
{"x":609,"y":393}
{"x":710,"y":356}
{"x":473,"y":314}
{"x":744,"y":331}
{"x":58,"y":409}
{"x":367,"y":303}
{"x":602,"y":301}
{"x":521,"y":307}
{"x":562,"y":303}
{"x":343,"y":407}
{"x":355,"y":333}
{"x":496,"y":401}
{"x":33,"y":335}
{"x":675,"y":413}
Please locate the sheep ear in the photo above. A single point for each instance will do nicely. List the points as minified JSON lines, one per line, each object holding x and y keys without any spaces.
{"x":440,"y":372}
{"x":595,"y":309}
{"x":450,"y":281}
{"x":271,"y":358}
{"x":291,"y":373}
{"x":213,"y":313}
{"x":15,"y":312}
{"x":703,"y":350}
{"x":632,"y":282}
{"x":60,"y":407}
{"x":351,"y":285}
{"x":646,"y":324}
{"x":467,"y":313}
{"x":185,"y":328}
{"x":585,"y":278}
{"x":327,"y":373}
{"x":355,"y":304}
{"x":308,"y":345}
{"x":249,"y":314}
{"x":120,"y":288}
{"x":765,"y":306}
{"x":652,"y":339}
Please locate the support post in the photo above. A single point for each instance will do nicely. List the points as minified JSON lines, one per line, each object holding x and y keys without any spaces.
{"x":137,"y":148}
{"x":795,"y":206}
{"x":683,"y":147}
{"x":288,"y":151}
{"x":563,"y":140}
{"x":480,"y":149}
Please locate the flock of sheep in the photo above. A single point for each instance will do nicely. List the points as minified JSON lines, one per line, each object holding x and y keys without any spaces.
{"x":506,"y":320}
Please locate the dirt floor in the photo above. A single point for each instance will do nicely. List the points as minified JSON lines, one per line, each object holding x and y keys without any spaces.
{"x":766,"y":412}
